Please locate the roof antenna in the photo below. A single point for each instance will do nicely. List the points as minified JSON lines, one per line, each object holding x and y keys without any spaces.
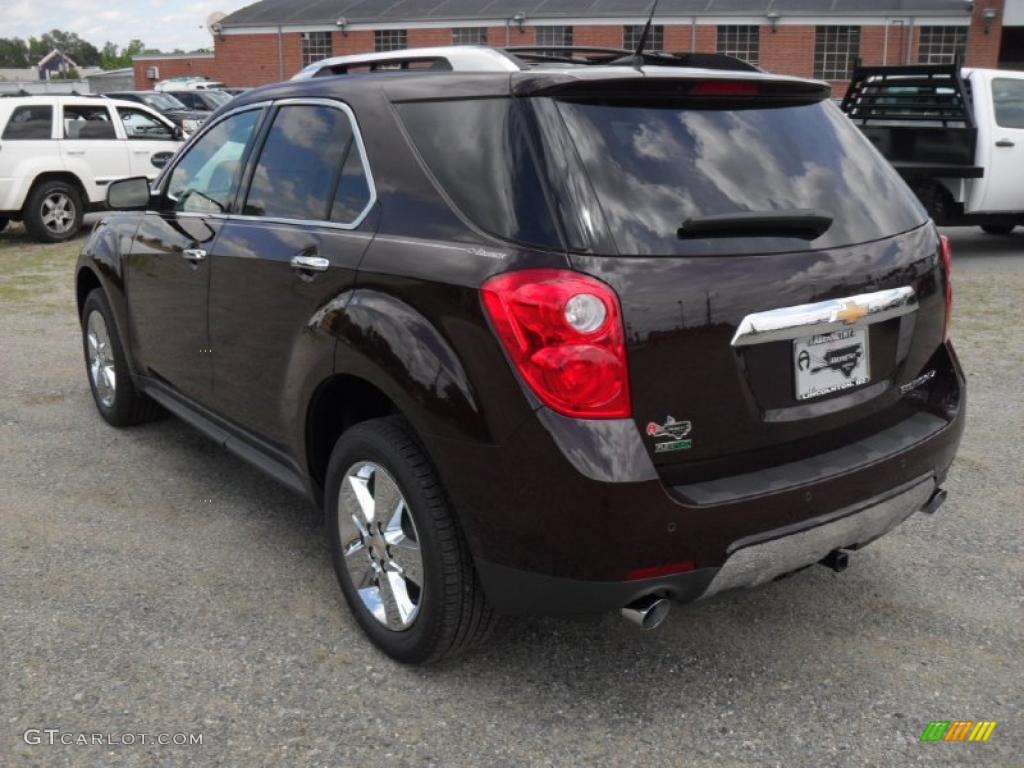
{"x":637,"y":59}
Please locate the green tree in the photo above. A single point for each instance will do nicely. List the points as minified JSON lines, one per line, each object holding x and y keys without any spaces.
{"x":84,"y":53}
{"x":113,"y":58}
{"x":13,"y":53}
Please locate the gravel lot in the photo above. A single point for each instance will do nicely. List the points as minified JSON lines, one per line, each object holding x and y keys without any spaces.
{"x":129,"y":605}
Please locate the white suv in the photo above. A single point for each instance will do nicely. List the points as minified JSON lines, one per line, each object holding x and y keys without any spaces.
{"x":59,"y":153}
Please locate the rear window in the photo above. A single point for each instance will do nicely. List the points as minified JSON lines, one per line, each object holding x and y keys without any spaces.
{"x":35,"y":122}
{"x":479,"y":152}
{"x":655,"y":166}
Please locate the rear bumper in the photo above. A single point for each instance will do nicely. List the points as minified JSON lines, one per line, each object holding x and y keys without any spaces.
{"x":752,"y":563}
{"x":558,"y":520}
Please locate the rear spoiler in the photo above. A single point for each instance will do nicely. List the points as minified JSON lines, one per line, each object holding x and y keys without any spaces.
{"x":705,"y":86}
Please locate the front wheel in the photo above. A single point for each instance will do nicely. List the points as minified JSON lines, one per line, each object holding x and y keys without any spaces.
{"x":400,"y":558}
{"x":997,"y":229}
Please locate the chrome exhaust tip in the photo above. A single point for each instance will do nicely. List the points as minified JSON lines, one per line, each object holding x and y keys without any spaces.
{"x":647,"y":612}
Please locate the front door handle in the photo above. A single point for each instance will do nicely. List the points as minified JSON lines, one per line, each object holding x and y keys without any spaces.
{"x":310,"y":263}
{"x":1005,"y":143}
{"x":195,"y":255}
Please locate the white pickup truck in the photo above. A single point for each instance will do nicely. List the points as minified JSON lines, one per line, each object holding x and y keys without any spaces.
{"x":59,"y":153}
{"x":955,"y":134}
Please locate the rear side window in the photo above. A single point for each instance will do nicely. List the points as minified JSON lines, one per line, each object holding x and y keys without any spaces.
{"x":309,"y":168}
{"x":479,"y":152}
{"x":1008,"y":96}
{"x":34,"y":122}
{"x":88,"y":123}
{"x":655,"y":166}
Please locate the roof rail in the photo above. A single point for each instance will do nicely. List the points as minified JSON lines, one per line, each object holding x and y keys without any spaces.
{"x":480,"y":58}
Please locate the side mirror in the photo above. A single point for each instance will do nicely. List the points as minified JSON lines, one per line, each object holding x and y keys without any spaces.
{"x":128,"y":194}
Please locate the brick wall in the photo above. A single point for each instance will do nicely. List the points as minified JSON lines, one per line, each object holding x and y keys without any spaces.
{"x":789,"y":50}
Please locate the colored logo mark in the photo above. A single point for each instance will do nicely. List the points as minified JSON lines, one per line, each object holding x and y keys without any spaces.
{"x":958,"y":730}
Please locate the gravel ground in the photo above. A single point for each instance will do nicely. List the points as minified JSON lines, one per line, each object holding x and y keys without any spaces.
{"x":130,"y":605}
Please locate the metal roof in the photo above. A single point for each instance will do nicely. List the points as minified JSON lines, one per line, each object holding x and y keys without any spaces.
{"x":290,"y":12}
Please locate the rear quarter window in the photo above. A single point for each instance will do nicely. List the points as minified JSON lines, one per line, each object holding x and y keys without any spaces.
{"x":29,"y":122}
{"x":479,"y":153}
{"x":653,"y":166}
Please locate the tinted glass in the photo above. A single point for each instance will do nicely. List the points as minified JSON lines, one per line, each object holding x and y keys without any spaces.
{"x":1008,"y":96}
{"x":85,"y":123}
{"x":353,"y":192}
{"x":29,"y":123}
{"x":479,"y":151}
{"x":653,"y":167}
{"x":205,"y":179}
{"x":297,"y":173}
{"x":139,"y":125}
{"x":162,"y":101}
{"x":216,"y":98}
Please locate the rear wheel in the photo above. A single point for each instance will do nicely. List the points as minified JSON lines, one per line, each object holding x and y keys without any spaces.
{"x":53,"y":212}
{"x":116,"y":397}
{"x":997,"y":229}
{"x":399,"y":556}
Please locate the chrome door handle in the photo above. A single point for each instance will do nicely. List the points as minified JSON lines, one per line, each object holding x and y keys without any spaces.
{"x":195,"y":255}
{"x":1005,"y":143}
{"x":310,"y":263}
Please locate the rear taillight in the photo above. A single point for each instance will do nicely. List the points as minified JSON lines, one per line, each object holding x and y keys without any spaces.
{"x":563,"y":332}
{"x":946,"y":253}
{"x":725,"y":88}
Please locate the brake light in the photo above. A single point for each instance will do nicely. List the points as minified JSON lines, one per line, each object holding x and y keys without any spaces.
{"x":946,"y":253}
{"x":725,"y":88}
{"x":661,"y":570}
{"x":563,"y":332}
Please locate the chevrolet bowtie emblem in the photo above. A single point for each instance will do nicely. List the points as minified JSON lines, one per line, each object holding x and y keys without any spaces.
{"x":851,"y":313}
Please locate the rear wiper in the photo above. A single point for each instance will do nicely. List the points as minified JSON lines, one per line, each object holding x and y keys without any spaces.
{"x":804,"y":223}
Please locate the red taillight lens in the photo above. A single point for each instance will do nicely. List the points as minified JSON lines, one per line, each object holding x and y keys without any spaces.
{"x":725,"y":88}
{"x":563,"y":332}
{"x":946,"y":253}
{"x":661,"y":570}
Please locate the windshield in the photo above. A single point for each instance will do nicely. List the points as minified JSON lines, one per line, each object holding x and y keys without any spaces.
{"x":218,"y":98}
{"x":655,"y":166}
{"x":163,"y":102}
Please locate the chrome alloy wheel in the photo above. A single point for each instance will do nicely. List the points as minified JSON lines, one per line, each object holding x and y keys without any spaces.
{"x":380,"y":545}
{"x":101,"y":359}
{"x":58,"y":213}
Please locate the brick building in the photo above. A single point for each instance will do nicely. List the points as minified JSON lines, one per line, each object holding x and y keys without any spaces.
{"x":271,"y":40}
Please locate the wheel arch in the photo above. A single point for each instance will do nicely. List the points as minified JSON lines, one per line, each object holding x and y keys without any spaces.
{"x":65,"y":176}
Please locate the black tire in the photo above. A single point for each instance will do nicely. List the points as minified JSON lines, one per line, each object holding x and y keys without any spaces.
{"x":997,"y":229}
{"x":34,"y":212}
{"x":127,"y":406}
{"x":453,"y":613}
{"x":3,"y":223}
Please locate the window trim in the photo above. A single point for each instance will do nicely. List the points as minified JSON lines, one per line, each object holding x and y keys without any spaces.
{"x":53,"y":121}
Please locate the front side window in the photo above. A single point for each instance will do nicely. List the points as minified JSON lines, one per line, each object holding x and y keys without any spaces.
{"x":836,"y":49}
{"x":1008,"y":97}
{"x":205,"y":179}
{"x":741,"y":41}
{"x":315,"y":46}
{"x":941,"y":45}
{"x":390,"y":40}
{"x":26,"y":123}
{"x":91,"y":122}
{"x":655,"y":38}
{"x":309,"y":168}
{"x":140,"y":125}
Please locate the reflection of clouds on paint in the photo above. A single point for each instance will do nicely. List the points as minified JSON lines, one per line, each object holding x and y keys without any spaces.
{"x":655,"y":167}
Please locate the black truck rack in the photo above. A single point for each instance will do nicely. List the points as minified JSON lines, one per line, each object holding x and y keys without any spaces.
{"x":919,"y":117}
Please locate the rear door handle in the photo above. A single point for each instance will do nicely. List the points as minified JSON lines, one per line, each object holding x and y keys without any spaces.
{"x":195,"y":255}
{"x":1005,"y":143}
{"x":310,"y":263}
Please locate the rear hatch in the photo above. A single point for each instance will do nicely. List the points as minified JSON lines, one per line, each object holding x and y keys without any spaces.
{"x":711,"y":201}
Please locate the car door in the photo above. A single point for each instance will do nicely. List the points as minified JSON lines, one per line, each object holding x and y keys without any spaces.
{"x":1004,"y":191}
{"x":168,"y":271}
{"x":304,"y":227}
{"x":151,"y":140}
{"x":90,"y":147}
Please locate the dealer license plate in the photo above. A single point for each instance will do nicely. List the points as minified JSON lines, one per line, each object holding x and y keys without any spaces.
{"x":831,"y":362}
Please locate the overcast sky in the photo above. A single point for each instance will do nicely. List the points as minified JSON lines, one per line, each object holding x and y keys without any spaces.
{"x":164,"y":24}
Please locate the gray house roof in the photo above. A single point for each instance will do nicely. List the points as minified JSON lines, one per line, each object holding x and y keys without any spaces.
{"x":290,"y":12}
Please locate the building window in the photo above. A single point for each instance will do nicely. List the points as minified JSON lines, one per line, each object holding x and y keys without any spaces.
{"x":556,"y":37}
{"x":941,"y":45}
{"x":469,"y":36}
{"x":655,"y":39}
{"x":835,"y":51}
{"x":740,"y":40}
{"x":390,"y":40}
{"x":315,"y":46}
